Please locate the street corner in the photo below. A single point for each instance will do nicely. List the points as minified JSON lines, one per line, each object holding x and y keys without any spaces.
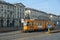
{"x":52,"y":32}
{"x":55,"y":31}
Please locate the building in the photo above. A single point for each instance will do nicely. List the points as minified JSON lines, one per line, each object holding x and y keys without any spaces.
{"x":11,"y":14}
{"x":59,"y":17}
{"x":53,"y":17}
{"x":35,"y":14}
{"x":6,"y":10}
{"x":19,"y":13}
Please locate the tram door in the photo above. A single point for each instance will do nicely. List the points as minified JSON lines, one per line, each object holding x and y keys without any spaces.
{"x":30,"y":24}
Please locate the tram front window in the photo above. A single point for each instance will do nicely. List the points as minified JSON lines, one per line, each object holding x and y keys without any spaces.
{"x":25,"y":23}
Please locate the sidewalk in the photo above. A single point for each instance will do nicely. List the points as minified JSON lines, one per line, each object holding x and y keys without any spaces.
{"x":10,"y":33}
{"x":55,"y":30}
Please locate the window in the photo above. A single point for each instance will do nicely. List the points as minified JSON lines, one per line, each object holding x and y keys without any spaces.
{"x":5,"y":13}
{"x":7,"y":7}
{"x":13,"y":7}
{"x":7,"y":10}
{"x":8,"y":16}
{"x":35,"y":23}
{"x":2,"y":10}
{"x":18,"y":15}
{"x":13,"y":16}
{"x":0,"y":14}
{"x":30,"y":23}
{"x":4,"y":6}
{"x":1,"y":6}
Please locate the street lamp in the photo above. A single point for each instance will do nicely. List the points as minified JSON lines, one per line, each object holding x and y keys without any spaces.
{"x":27,"y":13}
{"x":51,"y":17}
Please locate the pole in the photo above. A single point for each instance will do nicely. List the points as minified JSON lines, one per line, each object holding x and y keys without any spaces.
{"x":48,"y":30}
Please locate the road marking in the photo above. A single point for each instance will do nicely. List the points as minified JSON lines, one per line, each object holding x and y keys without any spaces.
{"x":31,"y":37}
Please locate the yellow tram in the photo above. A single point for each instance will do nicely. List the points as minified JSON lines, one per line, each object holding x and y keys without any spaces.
{"x":32,"y":25}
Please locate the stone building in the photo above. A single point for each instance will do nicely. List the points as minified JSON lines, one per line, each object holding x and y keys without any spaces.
{"x":19,"y":13}
{"x":11,"y":14}
{"x":59,"y":17}
{"x":53,"y":17}
{"x":6,"y":11}
{"x":36,"y":14}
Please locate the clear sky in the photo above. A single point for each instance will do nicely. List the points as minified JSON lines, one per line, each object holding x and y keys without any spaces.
{"x":49,"y":6}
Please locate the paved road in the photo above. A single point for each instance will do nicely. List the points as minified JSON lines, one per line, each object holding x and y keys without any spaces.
{"x":29,"y":36}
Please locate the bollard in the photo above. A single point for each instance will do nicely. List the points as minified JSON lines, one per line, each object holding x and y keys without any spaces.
{"x":48,"y":30}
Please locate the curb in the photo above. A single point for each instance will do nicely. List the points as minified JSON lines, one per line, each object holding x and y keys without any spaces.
{"x":10,"y":33}
{"x":54,"y":31}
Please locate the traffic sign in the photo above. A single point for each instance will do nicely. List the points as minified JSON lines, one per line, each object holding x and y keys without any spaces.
{"x":57,"y":22}
{"x":49,"y":26}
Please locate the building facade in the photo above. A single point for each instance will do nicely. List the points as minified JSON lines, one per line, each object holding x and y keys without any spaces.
{"x":53,"y":17}
{"x":59,"y":17}
{"x":36,"y":14}
{"x":11,"y":14}
{"x":19,"y":13}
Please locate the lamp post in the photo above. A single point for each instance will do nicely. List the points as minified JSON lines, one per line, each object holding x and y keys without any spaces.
{"x":49,"y":25}
{"x":51,"y":17}
{"x":27,"y":13}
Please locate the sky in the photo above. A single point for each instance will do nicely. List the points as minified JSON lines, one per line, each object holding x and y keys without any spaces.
{"x":49,"y":6}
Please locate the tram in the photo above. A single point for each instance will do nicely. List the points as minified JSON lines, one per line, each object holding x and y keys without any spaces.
{"x":32,"y":25}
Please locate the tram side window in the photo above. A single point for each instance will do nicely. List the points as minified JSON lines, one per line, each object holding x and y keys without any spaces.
{"x":30,"y":23}
{"x":40,"y":23}
{"x":36,"y":23}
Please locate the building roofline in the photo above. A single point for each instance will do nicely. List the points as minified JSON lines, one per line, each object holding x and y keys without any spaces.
{"x":58,"y":15}
{"x":19,"y":5}
{"x":53,"y":14}
{"x":6,"y":3}
{"x":3,"y":2}
{"x":35,"y":10}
